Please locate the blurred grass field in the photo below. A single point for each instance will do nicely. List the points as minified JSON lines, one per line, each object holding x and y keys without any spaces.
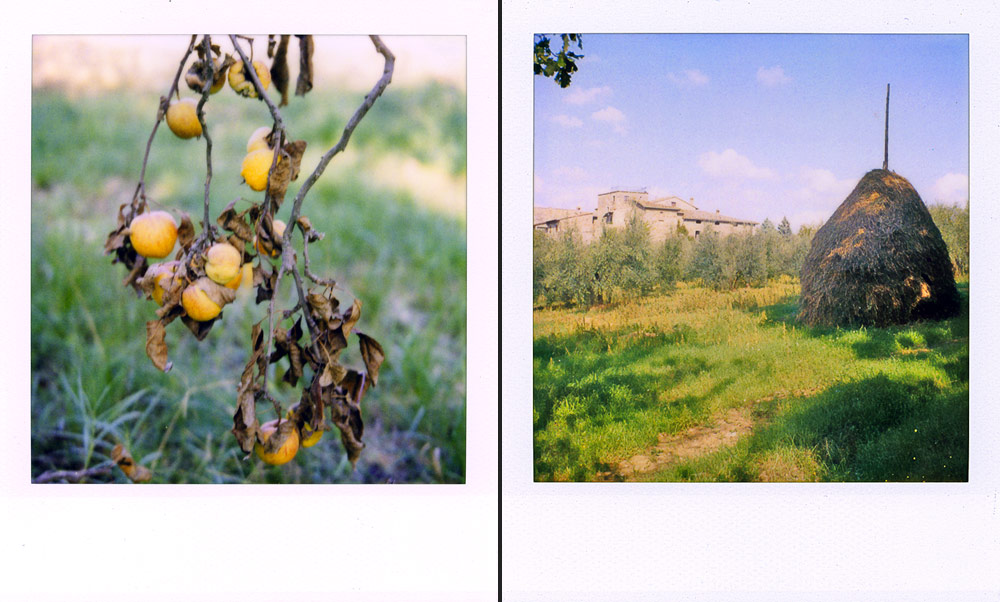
{"x":392,"y":209}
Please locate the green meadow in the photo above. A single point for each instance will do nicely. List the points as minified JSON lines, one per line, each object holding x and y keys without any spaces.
{"x":92,"y":385}
{"x":646,"y":376}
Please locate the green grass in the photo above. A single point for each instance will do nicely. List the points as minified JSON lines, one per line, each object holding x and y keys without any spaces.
{"x":827,"y":404}
{"x":92,"y":384}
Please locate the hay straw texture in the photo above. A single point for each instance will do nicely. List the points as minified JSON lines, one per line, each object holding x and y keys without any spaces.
{"x":878,"y":260}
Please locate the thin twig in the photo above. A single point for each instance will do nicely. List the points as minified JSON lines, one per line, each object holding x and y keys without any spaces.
{"x":208,"y":76}
{"x":74,"y":476}
{"x":390,"y":61}
{"x":161,"y":112}
{"x":316,"y":279}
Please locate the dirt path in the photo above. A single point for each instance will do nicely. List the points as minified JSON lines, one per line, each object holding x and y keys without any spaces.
{"x":674,"y":448}
{"x":724,"y":430}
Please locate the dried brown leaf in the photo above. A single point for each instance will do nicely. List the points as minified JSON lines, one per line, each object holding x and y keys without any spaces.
{"x":372,"y":354}
{"x":333,"y":372}
{"x":156,"y":345}
{"x":310,"y":233}
{"x":305,"y":81}
{"x":200,"y":330}
{"x":286,"y":170}
{"x":355,"y":384}
{"x":351,"y":316}
{"x":237,"y":223}
{"x":185,"y":231}
{"x":135,"y":472}
{"x":348,"y":420}
{"x":279,"y":66}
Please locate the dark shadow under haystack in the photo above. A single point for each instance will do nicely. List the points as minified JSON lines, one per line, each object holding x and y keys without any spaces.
{"x":878,"y":260}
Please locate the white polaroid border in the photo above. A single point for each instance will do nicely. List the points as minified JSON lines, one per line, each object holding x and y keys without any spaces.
{"x":754,"y":541}
{"x":364,"y":542}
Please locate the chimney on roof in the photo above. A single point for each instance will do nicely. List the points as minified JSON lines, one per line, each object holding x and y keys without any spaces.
{"x":692,"y":199}
{"x":577,"y":208}
{"x":716,"y":210}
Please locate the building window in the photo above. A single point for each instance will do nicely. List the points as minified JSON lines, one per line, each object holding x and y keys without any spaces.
{"x":697,"y":221}
{"x":608,"y":217}
{"x":696,"y":233}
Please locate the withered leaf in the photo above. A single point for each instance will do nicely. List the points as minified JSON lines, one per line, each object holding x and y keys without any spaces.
{"x":200,"y":330}
{"x":264,"y":279}
{"x":333,"y":373}
{"x":286,"y":170}
{"x":185,"y":231}
{"x":236,"y":222}
{"x":305,"y":82}
{"x":348,"y":420}
{"x":351,"y":316}
{"x":310,"y":233}
{"x":156,"y":344}
{"x":135,"y":472}
{"x":372,"y":354}
{"x":279,"y":66}
{"x":321,"y":308}
{"x":135,"y":274}
{"x":355,"y":384}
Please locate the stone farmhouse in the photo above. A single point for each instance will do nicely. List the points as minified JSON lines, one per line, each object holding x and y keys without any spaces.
{"x":663,"y":216}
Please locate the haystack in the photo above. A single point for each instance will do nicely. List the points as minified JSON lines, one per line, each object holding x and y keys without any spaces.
{"x":878,"y":260}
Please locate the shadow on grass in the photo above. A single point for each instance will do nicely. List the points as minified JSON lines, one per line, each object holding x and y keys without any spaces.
{"x":586,"y":383}
{"x":905,"y":340}
{"x":882,"y":428}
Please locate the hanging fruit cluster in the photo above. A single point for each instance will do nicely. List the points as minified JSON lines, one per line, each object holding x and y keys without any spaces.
{"x":251,"y":249}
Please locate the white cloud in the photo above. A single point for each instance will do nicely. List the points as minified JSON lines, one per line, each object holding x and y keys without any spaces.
{"x":689,"y":77}
{"x":772,"y":76}
{"x":611,"y":115}
{"x":570,"y":173}
{"x":581,"y":96}
{"x":567,"y":121}
{"x":731,"y":164}
{"x":822,"y":189}
{"x":951,"y":188}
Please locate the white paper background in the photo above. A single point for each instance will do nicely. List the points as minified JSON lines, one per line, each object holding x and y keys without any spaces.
{"x":109,"y":543}
{"x":747,"y":541}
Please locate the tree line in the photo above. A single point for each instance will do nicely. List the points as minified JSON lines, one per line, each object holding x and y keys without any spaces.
{"x":624,"y":263}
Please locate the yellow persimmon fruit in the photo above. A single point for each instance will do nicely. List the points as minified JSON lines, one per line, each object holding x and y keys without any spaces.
{"x":182,"y":118}
{"x":244,"y":279}
{"x":309,"y":436}
{"x":219,"y":79}
{"x":255,"y":167}
{"x":153,"y":234}
{"x":222,"y":262}
{"x":278,"y":229}
{"x":242,"y":84}
{"x":197,"y":303}
{"x":164,"y":277}
{"x":258,"y":139}
{"x":285,"y":451}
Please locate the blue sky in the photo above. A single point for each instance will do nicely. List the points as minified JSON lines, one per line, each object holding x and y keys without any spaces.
{"x":755,"y":125}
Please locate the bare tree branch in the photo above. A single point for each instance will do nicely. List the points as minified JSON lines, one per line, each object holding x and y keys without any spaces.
{"x":380,"y":85}
{"x":161,"y":112}
{"x":74,"y":476}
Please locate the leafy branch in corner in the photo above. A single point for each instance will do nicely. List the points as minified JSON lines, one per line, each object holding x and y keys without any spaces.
{"x":559,"y":65}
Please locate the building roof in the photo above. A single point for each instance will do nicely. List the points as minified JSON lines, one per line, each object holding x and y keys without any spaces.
{"x":547,"y":214}
{"x":711,"y":216}
{"x":669,"y":203}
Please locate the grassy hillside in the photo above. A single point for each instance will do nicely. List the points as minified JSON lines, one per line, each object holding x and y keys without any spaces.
{"x":92,"y":384}
{"x":701,"y":385}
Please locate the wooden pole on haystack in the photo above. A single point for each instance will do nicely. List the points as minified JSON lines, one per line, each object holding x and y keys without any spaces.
{"x":885,"y":161}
